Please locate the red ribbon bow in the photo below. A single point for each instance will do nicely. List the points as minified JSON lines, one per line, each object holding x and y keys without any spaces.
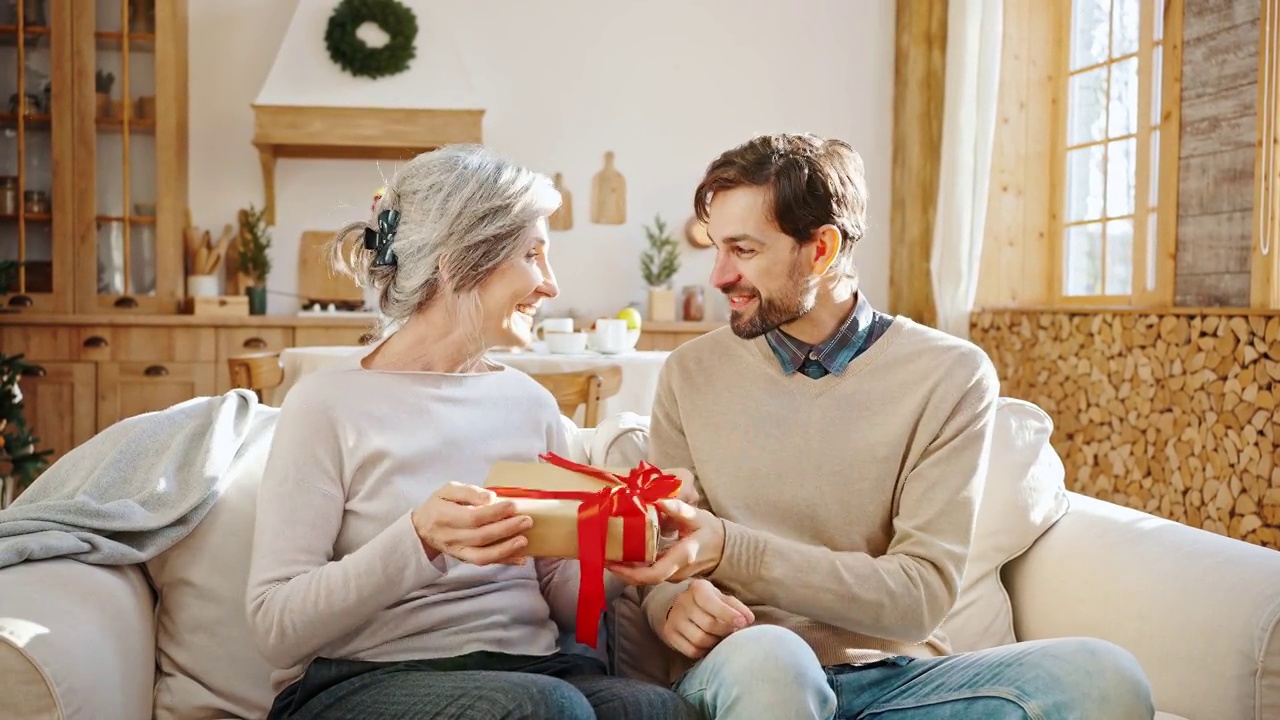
{"x":626,"y":496}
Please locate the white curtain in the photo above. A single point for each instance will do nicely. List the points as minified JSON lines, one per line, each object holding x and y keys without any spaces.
{"x":972,"y":85}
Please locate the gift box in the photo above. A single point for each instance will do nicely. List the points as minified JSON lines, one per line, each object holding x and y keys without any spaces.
{"x":589,"y":513}
{"x":553,"y":494}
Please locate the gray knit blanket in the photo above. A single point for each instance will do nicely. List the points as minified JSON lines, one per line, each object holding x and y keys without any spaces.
{"x":138,"y":487}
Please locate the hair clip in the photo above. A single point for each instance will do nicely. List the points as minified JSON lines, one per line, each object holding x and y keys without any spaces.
{"x":379,"y":240}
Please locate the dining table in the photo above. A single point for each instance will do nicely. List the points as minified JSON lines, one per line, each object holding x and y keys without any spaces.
{"x":640,"y":370}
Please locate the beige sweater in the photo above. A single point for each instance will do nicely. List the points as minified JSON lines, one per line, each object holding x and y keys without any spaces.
{"x":848,"y":502}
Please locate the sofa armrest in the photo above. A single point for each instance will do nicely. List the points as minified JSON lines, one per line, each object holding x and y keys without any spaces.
{"x":1200,"y":611}
{"x":77,"y":641}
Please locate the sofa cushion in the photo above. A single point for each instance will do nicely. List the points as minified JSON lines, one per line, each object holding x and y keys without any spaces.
{"x":620,"y":440}
{"x":1023,"y":496}
{"x":208,"y":665}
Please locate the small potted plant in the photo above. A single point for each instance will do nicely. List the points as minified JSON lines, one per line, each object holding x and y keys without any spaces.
{"x":253,"y":242}
{"x":659,"y":263}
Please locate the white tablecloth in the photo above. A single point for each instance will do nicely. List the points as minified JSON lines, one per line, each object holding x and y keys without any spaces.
{"x":639,"y":372}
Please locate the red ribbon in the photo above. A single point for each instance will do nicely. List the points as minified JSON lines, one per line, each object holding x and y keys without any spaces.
{"x":626,"y":496}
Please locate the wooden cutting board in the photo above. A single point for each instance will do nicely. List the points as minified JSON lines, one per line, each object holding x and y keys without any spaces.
{"x":317,"y":280}
{"x":609,"y":194}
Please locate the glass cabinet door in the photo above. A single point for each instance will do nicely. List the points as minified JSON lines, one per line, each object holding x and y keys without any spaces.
{"x":133,"y":205}
{"x":35,"y":135}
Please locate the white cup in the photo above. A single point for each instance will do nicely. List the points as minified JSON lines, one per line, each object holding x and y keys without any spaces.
{"x":552,"y":325}
{"x":202,"y":285}
{"x":566,"y":343}
{"x":610,"y":336}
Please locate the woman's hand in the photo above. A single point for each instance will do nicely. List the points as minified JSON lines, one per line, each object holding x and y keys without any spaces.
{"x":472,"y":525}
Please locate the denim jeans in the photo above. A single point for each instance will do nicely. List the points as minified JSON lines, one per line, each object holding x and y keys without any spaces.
{"x":766,"y":671}
{"x":480,"y":685}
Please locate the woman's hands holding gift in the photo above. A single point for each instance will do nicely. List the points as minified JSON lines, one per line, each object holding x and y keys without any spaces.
{"x":697,"y":552}
{"x":472,"y":525}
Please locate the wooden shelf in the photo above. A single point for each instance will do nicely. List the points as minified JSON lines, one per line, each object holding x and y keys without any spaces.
{"x":31,"y":120}
{"x":134,"y":219}
{"x":138,"y":42}
{"x":346,"y":133}
{"x":9,"y":34}
{"x":116,"y":125}
{"x":29,"y":217}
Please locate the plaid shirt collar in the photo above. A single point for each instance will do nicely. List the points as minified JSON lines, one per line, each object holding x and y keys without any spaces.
{"x":834,"y":354}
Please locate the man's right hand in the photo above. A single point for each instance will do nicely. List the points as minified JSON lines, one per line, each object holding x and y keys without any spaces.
{"x":701,"y":617}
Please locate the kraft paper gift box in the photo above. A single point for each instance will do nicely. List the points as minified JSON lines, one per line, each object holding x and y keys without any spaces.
{"x":556,"y":519}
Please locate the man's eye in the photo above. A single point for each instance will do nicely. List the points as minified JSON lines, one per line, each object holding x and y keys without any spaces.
{"x":744,"y":252}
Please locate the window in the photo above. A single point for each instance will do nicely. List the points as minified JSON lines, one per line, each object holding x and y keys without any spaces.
{"x":1113,"y":219}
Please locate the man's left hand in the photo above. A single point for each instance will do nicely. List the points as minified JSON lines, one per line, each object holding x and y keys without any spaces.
{"x":697,"y":552}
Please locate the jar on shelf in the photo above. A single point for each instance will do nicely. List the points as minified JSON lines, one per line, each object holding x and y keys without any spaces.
{"x":35,"y":202}
{"x":9,"y":195}
{"x":693,"y":304}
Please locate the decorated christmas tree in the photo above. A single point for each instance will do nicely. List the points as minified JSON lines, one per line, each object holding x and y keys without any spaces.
{"x":19,"y":459}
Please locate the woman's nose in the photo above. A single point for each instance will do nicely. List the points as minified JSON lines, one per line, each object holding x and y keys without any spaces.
{"x":549,"y":288}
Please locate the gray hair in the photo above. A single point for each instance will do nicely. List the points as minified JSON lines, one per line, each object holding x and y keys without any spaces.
{"x":464,"y":211}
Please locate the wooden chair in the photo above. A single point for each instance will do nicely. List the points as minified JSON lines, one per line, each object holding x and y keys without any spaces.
{"x":256,"y":371}
{"x":263,"y":371}
{"x":583,"y":387}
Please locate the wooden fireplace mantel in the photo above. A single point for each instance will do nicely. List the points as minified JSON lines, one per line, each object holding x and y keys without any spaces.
{"x":345,"y":133}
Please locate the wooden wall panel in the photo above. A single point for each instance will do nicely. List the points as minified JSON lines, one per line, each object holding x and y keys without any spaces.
{"x":1217,"y":152}
{"x":918,"y":81}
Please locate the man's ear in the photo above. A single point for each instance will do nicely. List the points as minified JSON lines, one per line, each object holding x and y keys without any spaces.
{"x":826,"y":247}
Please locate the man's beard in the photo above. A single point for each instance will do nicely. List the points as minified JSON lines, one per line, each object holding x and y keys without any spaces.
{"x":791,"y":303}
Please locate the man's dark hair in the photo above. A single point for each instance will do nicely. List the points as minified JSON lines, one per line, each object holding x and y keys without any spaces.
{"x":812,"y":181}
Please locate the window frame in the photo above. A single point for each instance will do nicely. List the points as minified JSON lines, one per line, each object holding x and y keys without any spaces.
{"x":1164,"y":246}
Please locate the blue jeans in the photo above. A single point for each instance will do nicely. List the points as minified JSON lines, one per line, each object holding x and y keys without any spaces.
{"x":478,"y":686}
{"x":766,"y":671}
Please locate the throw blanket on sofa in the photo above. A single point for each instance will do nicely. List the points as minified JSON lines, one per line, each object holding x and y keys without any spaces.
{"x":138,"y":487}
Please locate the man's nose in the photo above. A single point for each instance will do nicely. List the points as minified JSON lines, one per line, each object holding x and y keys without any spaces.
{"x":724,"y":274}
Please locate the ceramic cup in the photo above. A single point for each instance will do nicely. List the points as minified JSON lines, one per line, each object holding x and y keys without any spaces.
{"x":552,"y":325}
{"x":202,"y":285}
{"x":610,"y":336}
{"x":566,"y":343}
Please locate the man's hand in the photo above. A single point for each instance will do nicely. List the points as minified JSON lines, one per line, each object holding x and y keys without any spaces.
{"x":696,"y":553}
{"x":701,"y":617}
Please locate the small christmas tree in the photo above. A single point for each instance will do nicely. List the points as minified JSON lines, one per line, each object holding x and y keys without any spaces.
{"x":17,"y":443}
{"x":661,"y":261}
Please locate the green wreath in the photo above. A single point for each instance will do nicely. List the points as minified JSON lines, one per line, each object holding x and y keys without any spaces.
{"x":353,"y":55}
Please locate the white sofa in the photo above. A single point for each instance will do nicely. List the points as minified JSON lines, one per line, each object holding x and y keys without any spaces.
{"x":167,"y":639}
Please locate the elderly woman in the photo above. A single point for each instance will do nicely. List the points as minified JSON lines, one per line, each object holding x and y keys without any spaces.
{"x":385,"y":583}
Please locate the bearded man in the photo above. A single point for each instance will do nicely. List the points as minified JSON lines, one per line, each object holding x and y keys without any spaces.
{"x":839,"y":455}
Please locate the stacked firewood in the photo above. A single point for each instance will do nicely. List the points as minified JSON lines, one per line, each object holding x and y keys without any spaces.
{"x":1173,"y":414}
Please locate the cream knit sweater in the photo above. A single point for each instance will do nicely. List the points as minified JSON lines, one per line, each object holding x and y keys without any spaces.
{"x":849,"y":502}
